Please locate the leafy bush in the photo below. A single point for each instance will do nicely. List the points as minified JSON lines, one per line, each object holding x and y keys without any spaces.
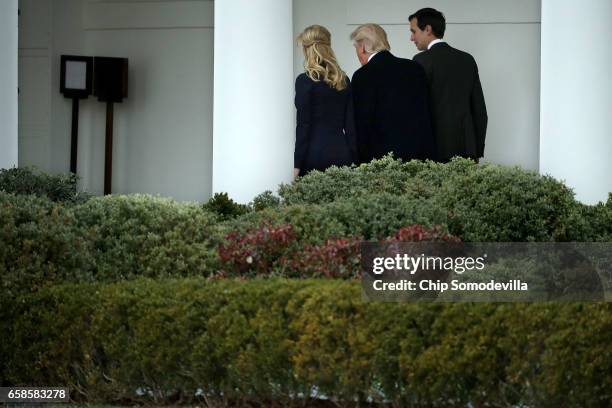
{"x":275,"y":250}
{"x":416,"y":233}
{"x":274,"y":340}
{"x":386,"y":175}
{"x":341,"y":258}
{"x":310,"y":223}
{"x":140,"y":235}
{"x":369,"y":216}
{"x":25,"y":181}
{"x":106,"y":239}
{"x":40,"y":243}
{"x":225,"y":207}
{"x":256,"y":251}
{"x":481,"y":202}
{"x":493,"y":203}
{"x":265,"y":200}
{"x":337,"y":258}
{"x":593,"y":223}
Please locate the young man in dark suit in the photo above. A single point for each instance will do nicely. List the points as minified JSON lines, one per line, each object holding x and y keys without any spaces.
{"x":390,"y":99}
{"x":459,"y":113}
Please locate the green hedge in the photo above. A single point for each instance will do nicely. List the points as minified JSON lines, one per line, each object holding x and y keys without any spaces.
{"x":483,"y":202}
{"x":276,"y":339}
{"x":115,"y":238}
{"x":29,"y":181}
{"x":226,"y":209}
{"x":105,"y":239}
{"x":41,"y":243}
{"x":369,"y":216}
{"x":121,"y":237}
{"x":140,"y":235}
{"x":594,"y":222}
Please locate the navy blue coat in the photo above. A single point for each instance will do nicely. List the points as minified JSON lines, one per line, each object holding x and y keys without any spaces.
{"x":325,"y":132}
{"x":392,"y":109}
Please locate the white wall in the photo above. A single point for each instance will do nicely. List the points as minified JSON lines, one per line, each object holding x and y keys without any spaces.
{"x":503,"y":37}
{"x":163,"y":130}
{"x":67,"y":37}
{"x":35,"y":55}
{"x":8,"y":84}
{"x":576,"y":130}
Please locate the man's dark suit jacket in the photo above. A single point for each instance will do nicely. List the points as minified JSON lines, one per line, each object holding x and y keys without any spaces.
{"x":392,"y":109}
{"x":459,"y":114}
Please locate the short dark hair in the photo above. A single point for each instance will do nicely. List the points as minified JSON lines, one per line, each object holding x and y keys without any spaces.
{"x":430,"y":17}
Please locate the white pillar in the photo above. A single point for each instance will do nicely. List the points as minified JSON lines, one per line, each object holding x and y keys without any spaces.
{"x":8,"y":83}
{"x":576,"y":95}
{"x":254,"y":115}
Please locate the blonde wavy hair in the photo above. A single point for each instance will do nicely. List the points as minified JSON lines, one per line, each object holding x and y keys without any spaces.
{"x":320,"y":61}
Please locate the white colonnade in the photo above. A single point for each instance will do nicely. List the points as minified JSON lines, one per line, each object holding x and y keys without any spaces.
{"x":576,"y":95}
{"x":8,"y":83}
{"x":253,"y":134}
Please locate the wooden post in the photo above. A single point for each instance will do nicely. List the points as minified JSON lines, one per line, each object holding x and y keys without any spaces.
{"x":108,"y":163}
{"x":74,"y":135}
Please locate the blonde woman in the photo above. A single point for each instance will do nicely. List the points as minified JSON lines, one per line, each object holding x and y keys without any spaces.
{"x":325,"y":133}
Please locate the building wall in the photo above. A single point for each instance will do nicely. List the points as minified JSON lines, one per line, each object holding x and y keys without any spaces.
{"x":8,"y":84}
{"x":503,"y":37}
{"x":162,"y":131}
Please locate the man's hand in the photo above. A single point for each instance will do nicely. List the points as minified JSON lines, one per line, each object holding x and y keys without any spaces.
{"x":295,"y":173}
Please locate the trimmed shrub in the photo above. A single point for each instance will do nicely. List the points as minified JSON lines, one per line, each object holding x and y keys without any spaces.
{"x":341,"y":258}
{"x":140,"y":235}
{"x":225,"y":207}
{"x":495,"y":203}
{"x":256,"y":251}
{"x":309,"y":222}
{"x":106,"y":239}
{"x":265,"y":200}
{"x":593,"y":223}
{"x":386,"y":175}
{"x":269,"y":251}
{"x":337,"y":258}
{"x":481,"y":202}
{"x":26,"y":181}
{"x":40,"y":243}
{"x":369,"y":216}
{"x":277,"y":342}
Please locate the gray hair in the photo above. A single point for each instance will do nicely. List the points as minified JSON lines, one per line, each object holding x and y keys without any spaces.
{"x":372,"y":36}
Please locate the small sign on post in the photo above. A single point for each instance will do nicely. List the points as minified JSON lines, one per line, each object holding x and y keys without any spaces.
{"x":75,"y":83}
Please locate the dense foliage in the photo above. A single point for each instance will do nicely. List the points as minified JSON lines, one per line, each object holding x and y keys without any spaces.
{"x":274,"y":341}
{"x":277,"y":251}
{"x":104,"y":239}
{"x":76,"y":309}
{"x":26,"y":181}
{"x":120,"y":237}
{"x":481,"y":202}
{"x":225,"y":207}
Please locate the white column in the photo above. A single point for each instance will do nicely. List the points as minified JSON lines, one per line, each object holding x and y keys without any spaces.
{"x":576,"y":95}
{"x":8,"y":83}
{"x":254,"y":116}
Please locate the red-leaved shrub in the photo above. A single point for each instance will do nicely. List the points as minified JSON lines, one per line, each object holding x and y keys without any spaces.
{"x":418,"y":233}
{"x":267,"y":250}
{"x":337,"y":258}
{"x":256,"y":251}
